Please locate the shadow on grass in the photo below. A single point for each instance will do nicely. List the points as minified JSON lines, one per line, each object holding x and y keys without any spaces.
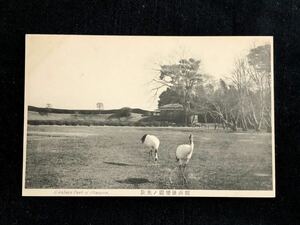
{"x":134,"y":181}
{"x":123,"y":164}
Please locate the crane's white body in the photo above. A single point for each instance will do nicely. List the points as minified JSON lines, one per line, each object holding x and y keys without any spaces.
{"x":184,"y":154}
{"x":151,"y":142}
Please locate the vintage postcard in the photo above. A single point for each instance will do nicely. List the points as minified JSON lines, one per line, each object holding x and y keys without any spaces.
{"x":149,"y":116}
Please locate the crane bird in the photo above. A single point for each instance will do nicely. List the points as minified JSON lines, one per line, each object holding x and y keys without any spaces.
{"x":183,"y":155}
{"x":151,"y":142}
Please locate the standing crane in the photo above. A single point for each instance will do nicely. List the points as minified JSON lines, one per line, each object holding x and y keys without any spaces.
{"x":183,"y":155}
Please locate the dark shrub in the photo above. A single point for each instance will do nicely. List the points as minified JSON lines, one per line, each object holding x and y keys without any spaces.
{"x":60,"y":122}
{"x":73,"y":123}
{"x":50,"y":122}
{"x":86,"y":123}
{"x":137,"y":123}
{"x":33,"y":122}
{"x":98,"y":123}
{"x":144,"y":124}
{"x":112,"y":123}
{"x":150,"y":119}
{"x":42,"y":113}
{"x":125,"y":112}
{"x":156,"y":123}
{"x":125,"y":123}
{"x":147,"y":114}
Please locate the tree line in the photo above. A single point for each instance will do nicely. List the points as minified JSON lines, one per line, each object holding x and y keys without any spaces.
{"x":242,"y":100}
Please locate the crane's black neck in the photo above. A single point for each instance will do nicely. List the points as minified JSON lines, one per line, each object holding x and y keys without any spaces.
{"x":143,"y":138}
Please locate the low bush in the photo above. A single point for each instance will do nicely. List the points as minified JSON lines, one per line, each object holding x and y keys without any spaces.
{"x":140,"y":123}
{"x":124,"y":112}
{"x":150,"y":119}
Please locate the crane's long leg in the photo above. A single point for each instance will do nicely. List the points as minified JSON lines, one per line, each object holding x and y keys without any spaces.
{"x":182,"y":173}
{"x":184,"y":178}
{"x":155,"y":156}
{"x":150,"y":155}
{"x":184,"y":166}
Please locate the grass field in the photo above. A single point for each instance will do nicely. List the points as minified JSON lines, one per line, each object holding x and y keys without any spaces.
{"x":113,"y":157}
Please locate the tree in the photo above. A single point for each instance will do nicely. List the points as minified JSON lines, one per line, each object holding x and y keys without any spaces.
{"x":202,"y":95}
{"x":181,"y":78}
{"x":242,"y":83}
{"x":259,"y":60}
{"x":99,"y":106}
{"x":48,"y":109}
{"x":246,"y":100}
{"x":242,"y":101}
{"x":168,"y":96}
{"x":223,"y":105}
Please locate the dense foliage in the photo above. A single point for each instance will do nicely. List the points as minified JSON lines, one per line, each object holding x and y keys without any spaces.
{"x":243,"y":100}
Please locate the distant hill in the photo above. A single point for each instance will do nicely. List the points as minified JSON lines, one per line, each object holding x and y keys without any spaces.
{"x":84,"y":111}
{"x":72,"y":117}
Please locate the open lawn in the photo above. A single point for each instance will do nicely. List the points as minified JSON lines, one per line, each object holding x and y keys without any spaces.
{"x":113,"y":157}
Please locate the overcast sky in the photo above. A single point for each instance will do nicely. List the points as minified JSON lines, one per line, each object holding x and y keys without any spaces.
{"x":76,"y":72}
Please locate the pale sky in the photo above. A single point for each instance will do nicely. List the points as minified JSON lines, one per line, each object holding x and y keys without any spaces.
{"x":76,"y":72}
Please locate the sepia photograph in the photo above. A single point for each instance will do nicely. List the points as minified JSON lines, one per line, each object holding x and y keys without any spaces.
{"x":160,"y":116}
